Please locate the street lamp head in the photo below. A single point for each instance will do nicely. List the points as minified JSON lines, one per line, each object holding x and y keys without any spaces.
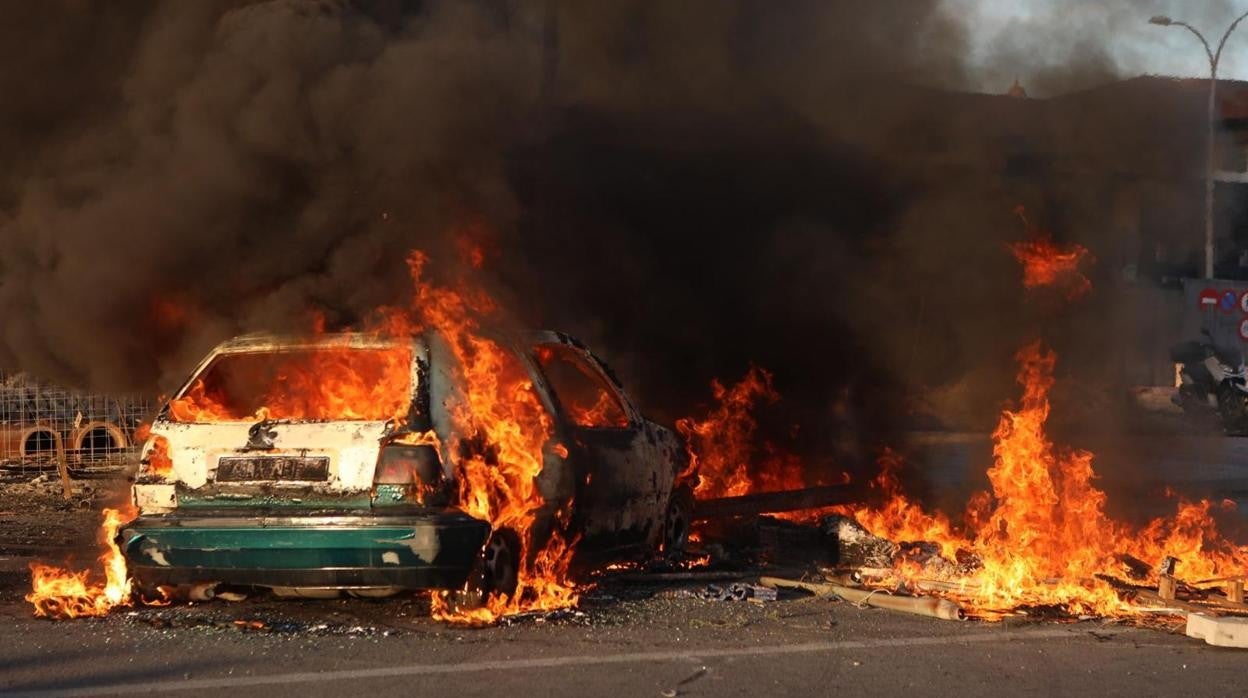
{"x":1160,"y":20}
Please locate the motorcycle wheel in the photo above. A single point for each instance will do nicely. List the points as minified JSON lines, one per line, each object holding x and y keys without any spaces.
{"x":1233,"y":409}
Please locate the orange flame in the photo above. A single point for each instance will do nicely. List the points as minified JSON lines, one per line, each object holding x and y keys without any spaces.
{"x":1045,"y":263}
{"x":156,"y":463}
{"x":722,"y":445}
{"x":61,"y":593}
{"x":159,"y":464}
{"x":501,"y":431}
{"x":900,"y":518}
{"x":1042,"y":537}
{"x":317,"y":384}
{"x":605,"y":410}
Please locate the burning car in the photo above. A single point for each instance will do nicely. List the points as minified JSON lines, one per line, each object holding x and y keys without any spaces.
{"x":314,"y":465}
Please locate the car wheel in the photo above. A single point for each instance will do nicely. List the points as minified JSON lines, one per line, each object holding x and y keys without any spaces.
{"x":501,"y":563}
{"x":148,"y":592}
{"x":1231,"y":408}
{"x":677,"y":522}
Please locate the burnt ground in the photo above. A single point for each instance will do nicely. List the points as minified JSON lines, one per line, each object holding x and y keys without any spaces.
{"x":626,"y":639}
{"x":35,"y":518}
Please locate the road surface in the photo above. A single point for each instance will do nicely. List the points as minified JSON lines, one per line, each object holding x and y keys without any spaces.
{"x":633,"y":641}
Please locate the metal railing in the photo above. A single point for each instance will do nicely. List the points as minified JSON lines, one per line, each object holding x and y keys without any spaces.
{"x":39,"y":422}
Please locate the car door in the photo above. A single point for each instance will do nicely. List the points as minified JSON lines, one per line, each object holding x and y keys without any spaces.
{"x":617,"y":491}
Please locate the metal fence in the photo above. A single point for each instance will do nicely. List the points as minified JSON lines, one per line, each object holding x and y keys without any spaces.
{"x":39,"y":422}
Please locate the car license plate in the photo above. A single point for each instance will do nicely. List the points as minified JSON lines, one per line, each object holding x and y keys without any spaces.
{"x":247,"y":469}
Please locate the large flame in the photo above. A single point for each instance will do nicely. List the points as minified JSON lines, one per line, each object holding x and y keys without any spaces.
{"x":501,"y":433}
{"x":324,"y":383}
{"x":724,"y":451}
{"x":63,"y":593}
{"x":1042,"y":536}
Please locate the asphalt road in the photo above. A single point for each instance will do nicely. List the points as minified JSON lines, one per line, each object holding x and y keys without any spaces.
{"x":638,"y":641}
{"x":636,"y":648}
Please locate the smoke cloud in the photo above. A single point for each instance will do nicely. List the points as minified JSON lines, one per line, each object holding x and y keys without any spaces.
{"x":690,"y":187}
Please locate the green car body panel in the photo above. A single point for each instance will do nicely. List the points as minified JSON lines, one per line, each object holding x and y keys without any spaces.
{"x":322,"y":549}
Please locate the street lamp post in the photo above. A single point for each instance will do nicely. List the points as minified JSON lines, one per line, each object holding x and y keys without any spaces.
{"x":1214,"y":57}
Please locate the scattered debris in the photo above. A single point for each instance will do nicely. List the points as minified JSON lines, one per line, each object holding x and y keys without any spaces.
{"x":931,"y":606}
{"x":673,"y":692}
{"x":1165,"y":578}
{"x":168,"y":618}
{"x":854,"y":546}
{"x":1221,"y":632}
{"x":734,"y":592}
{"x":558,"y":615}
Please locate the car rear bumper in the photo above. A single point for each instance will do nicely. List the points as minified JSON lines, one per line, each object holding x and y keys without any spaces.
{"x":351,"y":550}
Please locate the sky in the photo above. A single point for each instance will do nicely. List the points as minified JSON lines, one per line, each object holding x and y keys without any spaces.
{"x":1023,"y":37}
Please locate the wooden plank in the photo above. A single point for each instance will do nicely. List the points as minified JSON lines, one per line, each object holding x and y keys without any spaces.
{"x":1151,"y":599}
{"x":930,"y":606}
{"x":1235,"y":591}
{"x":62,"y":467}
{"x":775,"y":502}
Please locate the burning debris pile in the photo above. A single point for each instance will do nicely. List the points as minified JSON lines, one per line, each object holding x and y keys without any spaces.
{"x":1039,"y":542}
{"x":1040,"y":539}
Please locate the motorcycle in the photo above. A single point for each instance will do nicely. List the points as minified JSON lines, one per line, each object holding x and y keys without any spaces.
{"x":1213,"y":380}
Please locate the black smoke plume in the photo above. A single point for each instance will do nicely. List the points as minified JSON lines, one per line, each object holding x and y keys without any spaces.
{"x":690,"y":186}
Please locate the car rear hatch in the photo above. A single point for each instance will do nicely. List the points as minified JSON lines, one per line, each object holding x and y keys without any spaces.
{"x":298,"y":465}
{"x":299,"y":499}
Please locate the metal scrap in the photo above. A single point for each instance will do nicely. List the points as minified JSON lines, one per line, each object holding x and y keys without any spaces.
{"x":734,"y":592}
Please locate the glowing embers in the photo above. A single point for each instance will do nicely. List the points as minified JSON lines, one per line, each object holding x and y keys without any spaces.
{"x":1049,"y":264}
{"x":62,"y":593}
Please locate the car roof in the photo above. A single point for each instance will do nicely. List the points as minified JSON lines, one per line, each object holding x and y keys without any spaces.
{"x":263,"y":341}
{"x":267,"y":341}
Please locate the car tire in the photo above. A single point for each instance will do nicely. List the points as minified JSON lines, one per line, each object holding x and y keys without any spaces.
{"x":148,"y":592}
{"x":500,"y":563}
{"x":1232,"y":409}
{"x":677,"y":522}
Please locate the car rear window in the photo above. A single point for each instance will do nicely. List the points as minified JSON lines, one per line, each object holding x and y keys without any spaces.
{"x":299,"y":384}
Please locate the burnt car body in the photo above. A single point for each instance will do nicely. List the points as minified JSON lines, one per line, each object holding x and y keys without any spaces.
{"x":310,"y":507}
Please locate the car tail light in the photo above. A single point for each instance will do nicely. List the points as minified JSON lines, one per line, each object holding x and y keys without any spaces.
{"x":408,"y":465}
{"x":415,"y":470}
